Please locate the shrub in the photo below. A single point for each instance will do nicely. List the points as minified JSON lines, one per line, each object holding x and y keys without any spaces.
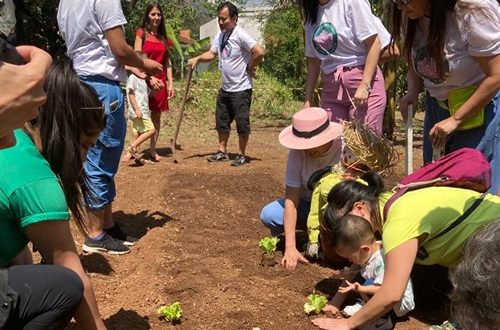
{"x":272,"y":102}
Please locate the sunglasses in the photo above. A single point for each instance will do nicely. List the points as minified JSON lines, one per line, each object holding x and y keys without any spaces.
{"x":402,"y":2}
{"x":102,"y":108}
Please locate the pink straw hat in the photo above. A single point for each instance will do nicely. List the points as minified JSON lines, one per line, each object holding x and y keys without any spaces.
{"x":310,"y":128}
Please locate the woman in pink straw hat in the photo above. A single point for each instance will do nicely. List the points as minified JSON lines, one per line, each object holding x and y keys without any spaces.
{"x":314,"y":143}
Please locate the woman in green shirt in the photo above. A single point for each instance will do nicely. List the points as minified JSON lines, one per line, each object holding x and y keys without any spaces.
{"x":41,"y":179}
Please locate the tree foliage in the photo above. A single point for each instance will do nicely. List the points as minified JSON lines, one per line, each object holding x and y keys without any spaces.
{"x":284,"y":39}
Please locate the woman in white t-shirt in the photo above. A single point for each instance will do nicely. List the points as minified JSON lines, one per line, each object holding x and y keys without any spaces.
{"x":342,"y":42}
{"x":314,"y":143}
{"x":461,"y":74}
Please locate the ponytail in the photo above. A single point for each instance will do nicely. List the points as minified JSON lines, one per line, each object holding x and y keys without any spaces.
{"x":344,"y":195}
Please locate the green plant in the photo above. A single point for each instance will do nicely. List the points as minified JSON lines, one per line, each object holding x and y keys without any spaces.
{"x":171,"y":312}
{"x":268,"y":244}
{"x":315,"y":303}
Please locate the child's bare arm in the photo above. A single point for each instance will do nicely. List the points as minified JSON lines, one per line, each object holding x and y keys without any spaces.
{"x":133,"y":102}
{"x":367,"y":289}
{"x":334,"y":304}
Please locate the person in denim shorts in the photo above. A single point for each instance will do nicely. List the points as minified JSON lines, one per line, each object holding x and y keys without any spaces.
{"x":239,"y":54}
{"x":100,"y":53}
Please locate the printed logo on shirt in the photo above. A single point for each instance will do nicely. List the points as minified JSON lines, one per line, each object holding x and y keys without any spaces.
{"x":325,"y":39}
{"x":226,"y":52}
{"x":426,"y":66}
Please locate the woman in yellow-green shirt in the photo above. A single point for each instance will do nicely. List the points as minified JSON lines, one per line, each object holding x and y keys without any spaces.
{"x":413,"y":219}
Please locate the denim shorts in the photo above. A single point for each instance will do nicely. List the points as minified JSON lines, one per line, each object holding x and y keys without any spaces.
{"x":490,"y":147}
{"x":103,"y":158}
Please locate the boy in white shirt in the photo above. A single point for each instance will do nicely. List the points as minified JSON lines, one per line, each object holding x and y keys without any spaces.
{"x":355,"y":241}
{"x":139,"y":113}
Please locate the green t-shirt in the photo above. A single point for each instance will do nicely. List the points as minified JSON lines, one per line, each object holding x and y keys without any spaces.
{"x":430,"y":211}
{"x":29,"y":193}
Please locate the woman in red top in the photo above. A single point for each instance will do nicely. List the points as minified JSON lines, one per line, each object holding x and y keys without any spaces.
{"x":151,"y":38}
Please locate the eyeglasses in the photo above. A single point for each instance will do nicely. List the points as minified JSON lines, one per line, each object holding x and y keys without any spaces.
{"x":402,"y":2}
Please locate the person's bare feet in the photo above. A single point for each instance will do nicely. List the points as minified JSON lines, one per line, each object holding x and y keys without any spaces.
{"x":154,"y":156}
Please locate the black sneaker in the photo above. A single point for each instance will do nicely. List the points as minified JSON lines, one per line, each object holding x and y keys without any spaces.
{"x":219,"y":156}
{"x":105,"y":244}
{"x":239,"y":160}
{"x":117,"y":233}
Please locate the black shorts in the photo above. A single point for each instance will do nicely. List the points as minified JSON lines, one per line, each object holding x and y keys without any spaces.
{"x":233,"y":106}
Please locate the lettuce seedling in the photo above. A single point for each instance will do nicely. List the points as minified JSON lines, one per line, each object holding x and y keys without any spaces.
{"x":172,"y":312}
{"x":315,"y":303}
{"x":268,"y":244}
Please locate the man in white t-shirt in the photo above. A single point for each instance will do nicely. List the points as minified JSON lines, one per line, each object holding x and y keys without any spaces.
{"x":239,"y":54}
{"x":95,"y":39}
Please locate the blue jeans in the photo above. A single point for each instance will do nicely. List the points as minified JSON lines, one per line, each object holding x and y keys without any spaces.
{"x":103,"y":158}
{"x":490,"y":147}
{"x":458,"y":139}
{"x":272,"y":215}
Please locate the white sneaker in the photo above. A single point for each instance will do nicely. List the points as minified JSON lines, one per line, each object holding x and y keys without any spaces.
{"x":383,"y":323}
{"x":350,"y":310}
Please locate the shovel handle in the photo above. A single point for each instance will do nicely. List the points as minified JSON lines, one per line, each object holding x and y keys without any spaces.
{"x":183,"y":105}
{"x":409,"y":139}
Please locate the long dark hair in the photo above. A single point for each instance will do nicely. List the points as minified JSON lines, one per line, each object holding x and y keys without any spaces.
{"x":309,"y":10}
{"x":162,"y":33}
{"x":438,"y":11}
{"x":342,"y":197}
{"x":72,"y":109}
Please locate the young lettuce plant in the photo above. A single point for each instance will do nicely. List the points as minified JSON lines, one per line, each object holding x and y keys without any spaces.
{"x":172,"y":313}
{"x":315,"y":303}
{"x":268,"y":244}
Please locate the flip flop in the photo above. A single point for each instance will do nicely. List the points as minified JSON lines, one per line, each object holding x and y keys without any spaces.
{"x":133,"y":151}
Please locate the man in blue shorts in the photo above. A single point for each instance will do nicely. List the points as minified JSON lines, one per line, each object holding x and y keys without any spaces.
{"x":239,"y":54}
{"x":94,"y":35}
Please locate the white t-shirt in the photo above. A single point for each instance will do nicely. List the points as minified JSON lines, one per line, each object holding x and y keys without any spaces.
{"x":474,"y":32}
{"x":374,"y":270}
{"x":337,"y":37}
{"x":234,"y":58}
{"x":299,"y":166}
{"x":141,"y":93}
{"x":7,"y":17}
{"x":383,"y":34}
{"x":82,"y":24}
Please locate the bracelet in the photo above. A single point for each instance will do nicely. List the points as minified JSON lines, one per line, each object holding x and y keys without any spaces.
{"x":368,"y":87}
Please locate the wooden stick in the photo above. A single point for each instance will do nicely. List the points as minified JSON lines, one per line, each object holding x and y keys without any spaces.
{"x":409,"y":140}
{"x":183,"y":105}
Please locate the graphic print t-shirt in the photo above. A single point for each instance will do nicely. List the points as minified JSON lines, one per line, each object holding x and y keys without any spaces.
{"x":337,"y":37}
{"x":468,"y":33}
{"x":234,"y":58}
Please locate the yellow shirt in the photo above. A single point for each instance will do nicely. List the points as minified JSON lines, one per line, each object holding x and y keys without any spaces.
{"x":430,"y":211}
{"x":319,"y":202}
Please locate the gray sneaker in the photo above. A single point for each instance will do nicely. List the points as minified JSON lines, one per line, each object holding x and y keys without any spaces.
{"x":105,"y":244}
{"x":239,"y":160}
{"x":219,"y":156}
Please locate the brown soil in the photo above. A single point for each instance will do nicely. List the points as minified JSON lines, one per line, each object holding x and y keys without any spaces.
{"x":199,"y":227}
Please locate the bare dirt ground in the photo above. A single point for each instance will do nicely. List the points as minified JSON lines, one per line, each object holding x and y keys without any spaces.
{"x":199,"y":226}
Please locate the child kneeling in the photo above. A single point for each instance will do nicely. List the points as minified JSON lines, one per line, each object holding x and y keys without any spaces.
{"x":354,"y":240}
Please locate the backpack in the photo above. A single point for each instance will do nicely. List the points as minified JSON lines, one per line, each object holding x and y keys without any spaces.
{"x":463,"y":168}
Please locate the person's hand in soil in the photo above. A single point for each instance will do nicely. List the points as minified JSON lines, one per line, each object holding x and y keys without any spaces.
{"x":291,"y":257}
{"x":327,"y":323}
{"x":330,"y":308}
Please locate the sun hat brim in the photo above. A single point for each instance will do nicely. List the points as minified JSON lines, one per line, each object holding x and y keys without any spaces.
{"x":291,"y":141}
